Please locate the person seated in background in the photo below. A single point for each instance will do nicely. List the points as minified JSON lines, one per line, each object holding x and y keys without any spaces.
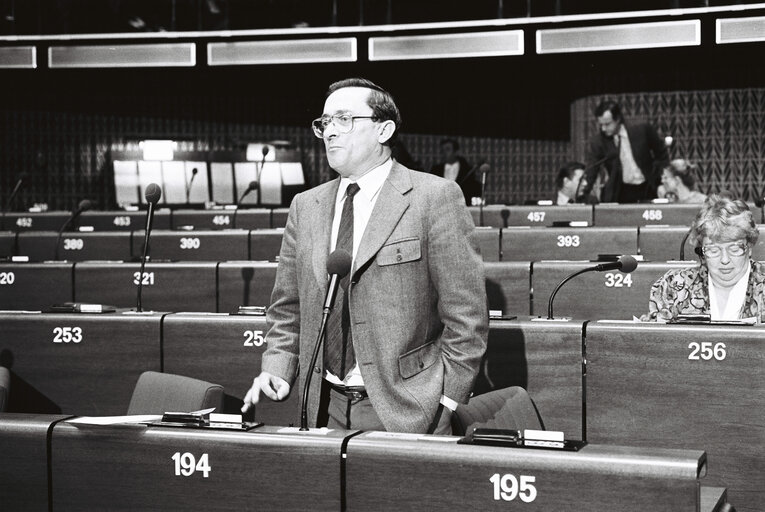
{"x":727,"y":284}
{"x":678,"y":183}
{"x":453,"y":166}
{"x":569,"y":183}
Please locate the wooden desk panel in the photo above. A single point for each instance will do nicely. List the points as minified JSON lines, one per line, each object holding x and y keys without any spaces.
{"x":507,"y":286}
{"x":35,"y":286}
{"x":226,"y":350}
{"x":595,"y":295}
{"x":259,"y":218}
{"x":7,"y":244}
{"x":132,"y":468}
{"x":24,"y":467}
{"x":405,"y":472}
{"x":196,"y":245}
{"x":75,"y":246}
{"x":545,"y":358}
{"x":178,"y":286}
{"x":95,"y":375}
{"x":124,"y":220}
{"x":645,"y":214}
{"x":535,"y":244}
{"x":35,"y":221}
{"x":662,"y":243}
{"x":488,"y":242}
{"x":265,"y":244}
{"x":643,"y":389}
{"x":501,"y":216}
{"x":245,"y":283}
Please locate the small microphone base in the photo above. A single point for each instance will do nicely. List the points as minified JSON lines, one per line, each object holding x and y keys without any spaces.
{"x":559,"y":319}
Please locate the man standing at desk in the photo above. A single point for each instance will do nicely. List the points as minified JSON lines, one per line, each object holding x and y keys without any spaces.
{"x":633,"y":156}
{"x":412,"y":315}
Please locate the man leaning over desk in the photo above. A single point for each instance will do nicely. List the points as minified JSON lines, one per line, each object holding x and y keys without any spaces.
{"x":409,"y":327}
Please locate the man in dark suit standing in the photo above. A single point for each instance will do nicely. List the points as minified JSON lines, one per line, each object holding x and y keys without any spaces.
{"x":454,"y":167}
{"x":411,"y":320}
{"x":632,"y":155}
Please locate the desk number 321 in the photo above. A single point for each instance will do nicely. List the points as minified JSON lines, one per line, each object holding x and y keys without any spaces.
{"x":186,"y":464}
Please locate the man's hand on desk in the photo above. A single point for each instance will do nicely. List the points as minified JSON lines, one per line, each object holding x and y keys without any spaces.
{"x":272,"y":386}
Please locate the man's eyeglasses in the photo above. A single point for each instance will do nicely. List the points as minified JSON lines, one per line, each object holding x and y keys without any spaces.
{"x":343,"y":123}
{"x":715,"y":251}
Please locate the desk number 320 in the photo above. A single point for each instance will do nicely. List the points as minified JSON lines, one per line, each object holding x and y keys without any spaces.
{"x":187,"y":465}
{"x":507,"y":487}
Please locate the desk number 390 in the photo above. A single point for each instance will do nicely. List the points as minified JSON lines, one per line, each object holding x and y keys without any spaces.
{"x":187,"y":465}
{"x":507,"y":487}
{"x":706,"y":351}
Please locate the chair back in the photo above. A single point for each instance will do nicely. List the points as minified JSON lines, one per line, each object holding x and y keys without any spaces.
{"x":157,"y":393}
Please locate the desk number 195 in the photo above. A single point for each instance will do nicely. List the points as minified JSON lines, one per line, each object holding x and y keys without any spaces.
{"x":507,"y":487}
{"x":187,"y":465}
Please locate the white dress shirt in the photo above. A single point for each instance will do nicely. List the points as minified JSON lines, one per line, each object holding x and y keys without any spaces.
{"x":736,"y":298}
{"x":631,"y":173}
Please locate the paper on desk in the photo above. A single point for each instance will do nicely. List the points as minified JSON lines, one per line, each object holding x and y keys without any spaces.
{"x":115,"y":420}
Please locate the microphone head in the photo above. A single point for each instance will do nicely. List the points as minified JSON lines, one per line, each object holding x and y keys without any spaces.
{"x":628,"y":263}
{"x":84,"y":205}
{"x":153,"y":193}
{"x":265,"y":150}
{"x":339,"y":262}
{"x":252,"y":186}
{"x":194,"y":171}
{"x":759,"y":202}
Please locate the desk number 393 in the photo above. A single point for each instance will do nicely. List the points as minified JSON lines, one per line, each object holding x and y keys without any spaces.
{"x":186,"y":464}
{"x":507,"y":487}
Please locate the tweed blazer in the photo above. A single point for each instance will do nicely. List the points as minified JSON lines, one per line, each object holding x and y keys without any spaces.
{"x":686,"y":291}
{"x":417,"y":298}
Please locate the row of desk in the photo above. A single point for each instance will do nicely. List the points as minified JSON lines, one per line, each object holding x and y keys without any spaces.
{"x":654,"y":243}
{"x":498,"y":216}
{"x":53,"y":464}
{"x":609,"y":382}
{"x":512,"y":287}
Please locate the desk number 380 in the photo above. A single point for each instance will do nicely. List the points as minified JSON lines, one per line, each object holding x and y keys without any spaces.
{"x":507,"y":487}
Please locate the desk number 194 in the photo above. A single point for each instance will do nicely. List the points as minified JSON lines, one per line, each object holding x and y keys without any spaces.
{"x":187,"y":465}
{"x":507,"y":487}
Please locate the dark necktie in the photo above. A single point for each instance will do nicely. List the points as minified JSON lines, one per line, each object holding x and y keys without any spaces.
{"x":338,"y":347}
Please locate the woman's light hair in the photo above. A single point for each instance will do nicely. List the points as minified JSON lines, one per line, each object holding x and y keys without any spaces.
{"x":722,"y":219}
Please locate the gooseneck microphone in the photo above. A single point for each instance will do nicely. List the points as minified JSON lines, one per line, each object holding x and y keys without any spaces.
{"x":194,"y":172}
{"x":265,"y":151}
{"x":250,"y":187}
{"x":624,"y":264}
{"x":682,"y":244}
{"x":484,"y":170}
{"x":338,"y":266}
{"x":153,"y":194}
{"x":84,"y":205}
{"x":15,"y":191}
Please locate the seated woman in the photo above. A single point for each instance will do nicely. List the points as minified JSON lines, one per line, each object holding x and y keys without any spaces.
{"x":726,"y":284}
{"x":678,"y":183}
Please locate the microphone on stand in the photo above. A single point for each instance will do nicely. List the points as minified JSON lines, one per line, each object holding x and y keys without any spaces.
{"x":624,"y":264}
{"x":484,"y":169}
{"x":253,"y":185}
{"x":15,"y":191}
{"x":260,"y":170}
{"x":153,"y":194}
{"x":84,"y":205}
{"x":682,"y":244}
{"x":338,"y":266}
{"x":194,"y":172}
